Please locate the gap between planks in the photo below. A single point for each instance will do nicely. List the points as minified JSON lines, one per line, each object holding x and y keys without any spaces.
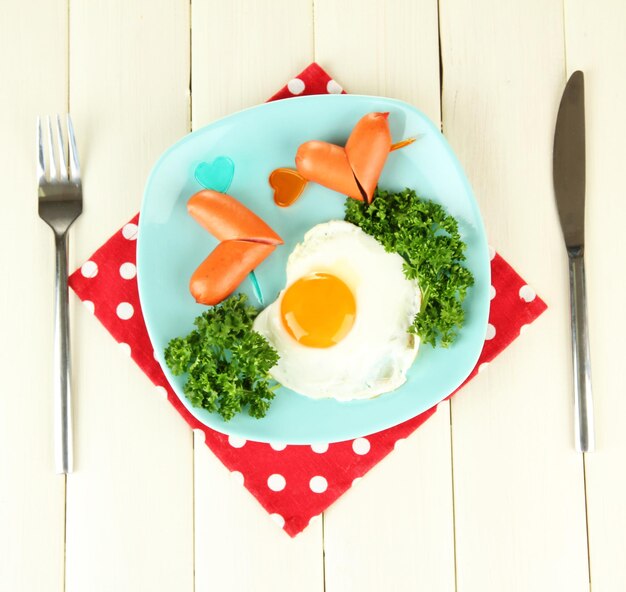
{"x":584,"y":456}
{"x":65,"y":484}
{"x":584,"y":465}
{"x":454,"y":549}
{"x":193,"y":438}
{"x":314,"y":45}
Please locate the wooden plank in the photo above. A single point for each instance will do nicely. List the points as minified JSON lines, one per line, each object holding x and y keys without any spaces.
{"x":130,"y":503}
{"x":520,"y":507}
{"x":238,"y":545}
{"x":596,"y":44}
{"x":381,"y":48}
{"x":395,"y":530}
{"x":242,"y":53}
{"x":31,"y":495}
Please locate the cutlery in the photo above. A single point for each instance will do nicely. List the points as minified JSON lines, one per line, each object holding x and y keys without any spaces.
{"x":60,"y":203}
{"x":568,"y":168}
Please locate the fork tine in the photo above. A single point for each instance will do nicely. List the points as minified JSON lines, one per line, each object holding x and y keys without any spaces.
{"x":41,"y":163}
{"x":53,"y":165}
{"x":74,"y":165}
{"x":61,"y":151}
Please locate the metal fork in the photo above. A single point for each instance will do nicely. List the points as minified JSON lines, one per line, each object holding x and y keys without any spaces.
{"x":60,"y":203}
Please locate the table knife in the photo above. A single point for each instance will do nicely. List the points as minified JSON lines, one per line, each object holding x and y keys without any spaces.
{"x":568,"y":169}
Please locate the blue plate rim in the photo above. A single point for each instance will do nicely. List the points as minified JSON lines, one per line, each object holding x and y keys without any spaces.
{"x":231,"y":428}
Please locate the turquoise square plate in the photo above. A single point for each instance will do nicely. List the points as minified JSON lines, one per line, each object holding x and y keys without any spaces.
{"x":171,"y":245}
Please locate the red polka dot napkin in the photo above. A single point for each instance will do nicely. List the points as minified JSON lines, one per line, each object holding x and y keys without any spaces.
{"x":293,"y":483}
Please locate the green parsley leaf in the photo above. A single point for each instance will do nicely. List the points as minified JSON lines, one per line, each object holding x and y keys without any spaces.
{"x":428,"y":240}
{"x":227,"y":363}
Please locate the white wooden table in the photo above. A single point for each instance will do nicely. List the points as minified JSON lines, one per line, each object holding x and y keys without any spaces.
{"x":489,"y":495}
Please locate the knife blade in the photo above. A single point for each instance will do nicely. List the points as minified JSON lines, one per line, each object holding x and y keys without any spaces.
{"x":568,"y":171}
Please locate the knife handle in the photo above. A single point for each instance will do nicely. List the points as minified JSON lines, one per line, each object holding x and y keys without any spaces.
{"x":583,"y":402}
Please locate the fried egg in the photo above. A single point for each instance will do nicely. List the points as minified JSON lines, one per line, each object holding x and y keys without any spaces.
{"x":340,"y":325}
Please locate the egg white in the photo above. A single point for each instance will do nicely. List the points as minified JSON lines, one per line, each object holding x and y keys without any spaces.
{"x":376,"y":354}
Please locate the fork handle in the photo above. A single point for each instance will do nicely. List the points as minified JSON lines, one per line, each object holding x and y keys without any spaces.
{"x":62,"y":392}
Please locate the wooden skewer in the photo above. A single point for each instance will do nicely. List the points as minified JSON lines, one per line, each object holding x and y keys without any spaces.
{"x":401,"y":144}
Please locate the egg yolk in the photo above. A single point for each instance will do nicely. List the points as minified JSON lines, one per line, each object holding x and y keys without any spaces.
{"x":318,"y":310}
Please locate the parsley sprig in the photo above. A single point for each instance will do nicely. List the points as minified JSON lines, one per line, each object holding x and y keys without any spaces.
{"x":227,"y":363}
{"x":428,"y":240}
